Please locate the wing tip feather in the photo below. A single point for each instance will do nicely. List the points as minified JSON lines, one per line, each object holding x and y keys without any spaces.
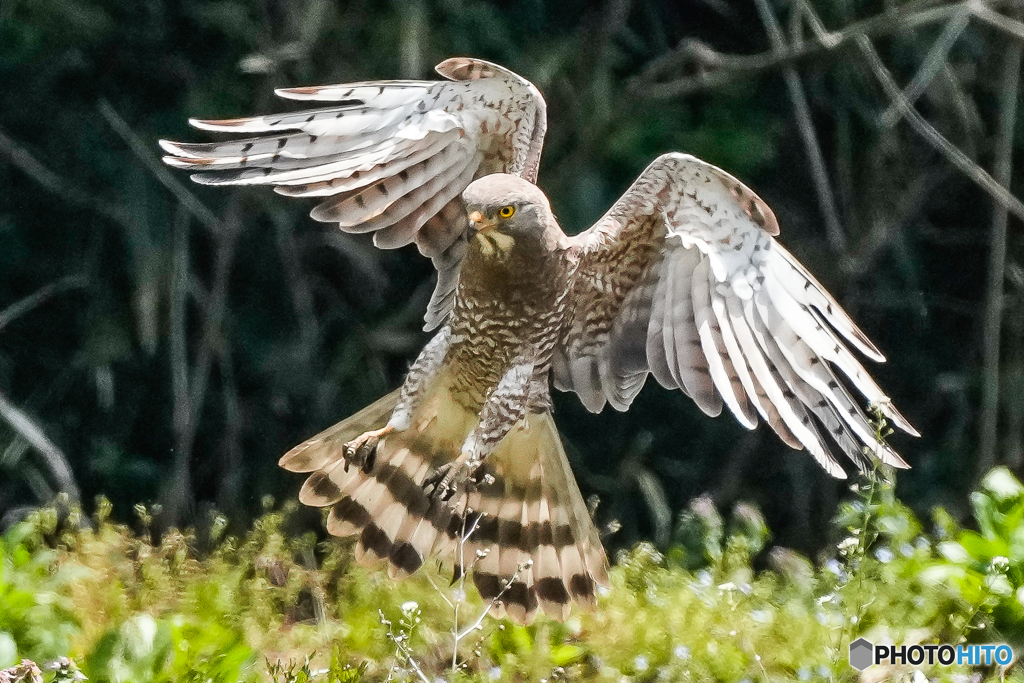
{"x":218,"y":124}
{"x":296,"y":93}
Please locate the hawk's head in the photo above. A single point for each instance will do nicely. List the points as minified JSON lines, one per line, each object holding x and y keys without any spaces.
{"x":506,"y":211}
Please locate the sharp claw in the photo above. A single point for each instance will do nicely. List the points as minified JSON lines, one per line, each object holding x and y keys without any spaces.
{"x":366,"y":453}
{"x":362,"y":451}
{"x":446,"y":481}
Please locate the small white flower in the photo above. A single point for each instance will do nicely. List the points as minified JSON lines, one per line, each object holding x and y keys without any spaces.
{"x":409,"y":607}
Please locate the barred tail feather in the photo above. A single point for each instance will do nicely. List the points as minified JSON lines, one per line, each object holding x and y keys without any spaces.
{"x":540,"y":550}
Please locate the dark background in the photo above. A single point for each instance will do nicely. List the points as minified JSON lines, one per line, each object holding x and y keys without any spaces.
{"x":162,"y":342}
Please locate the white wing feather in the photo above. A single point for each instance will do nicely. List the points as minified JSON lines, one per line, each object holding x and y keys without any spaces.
{"x":733,"y":317}
{"x":389,"y":156}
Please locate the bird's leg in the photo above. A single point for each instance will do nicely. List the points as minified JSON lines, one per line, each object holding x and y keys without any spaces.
{"x":504,"y":407}
{"x":362,"y":450}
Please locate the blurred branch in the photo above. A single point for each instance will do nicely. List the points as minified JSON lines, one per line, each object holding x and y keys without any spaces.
{"x":952,"y":153}
{"x":302,"y":297}
{"x":141,"y":149}
{"x":885,"y":227}
{"x":183,"y":415}
{"x":28,"y":429}
{"x":992,"y":335}
{"x":718,"y":69}
{"x":819,"y":174}
{"x":23,"y":160}
{"x":1013,"y":443}
{"x":190,"y":388}
{"x":412,"y":39}
{"x":1011,"y":26}
{"x":933,"y":63}
{"x":228,"y":493}
{"x":39,"y":297}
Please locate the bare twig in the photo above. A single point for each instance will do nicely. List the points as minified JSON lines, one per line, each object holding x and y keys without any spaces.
{"x":463,"y":571}
{"x":885,"y":228}
{"x":183,"y":416}
{"x":27,"y":428}
{"x":177,"y":492}
{"x":438,"y":590}
{"x":1013,"y":27}
{"x":401,"y":649}
{"x":819,"y":174}
{"x":494,"y":601}
{"x":412,"y":662}
{"x":721,"y":69}
{"x":39,"y":297}
{"x":66,"y":190}
{"x":189,"y":391}
{"x":142,"y":150}
{"x":952,"y":153}
{"x":302,"y":297}
{"x":231,"y":482}
{"x":824,"y":36}
{"x":933,"y":63}
{"x":1003,"y":169}
{"x":1013,"y":442}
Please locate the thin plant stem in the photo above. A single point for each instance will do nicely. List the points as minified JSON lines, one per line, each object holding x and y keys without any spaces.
{"x":1011,"y":26}
{"x":27,"y":428}
{"x":722,"y":69}
{"x":933,"y":63}
{"x":142,"y":150}
{"x":933,"y":137}
{"x":819,"y":173}
{"x":992,"y":334}
{"x":39,"y":297}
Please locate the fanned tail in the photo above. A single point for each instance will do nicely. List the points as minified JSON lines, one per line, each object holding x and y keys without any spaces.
{"x":524,"y":532}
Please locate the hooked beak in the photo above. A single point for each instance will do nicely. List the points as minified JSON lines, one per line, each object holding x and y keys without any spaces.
{"x":478,"y":223}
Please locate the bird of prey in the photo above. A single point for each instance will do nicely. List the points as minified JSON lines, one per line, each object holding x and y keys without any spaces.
{"x":681,"y":279}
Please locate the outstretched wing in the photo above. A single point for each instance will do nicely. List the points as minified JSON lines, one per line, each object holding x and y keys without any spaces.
{"x":683,"y":279}
{"x":388,"y":157}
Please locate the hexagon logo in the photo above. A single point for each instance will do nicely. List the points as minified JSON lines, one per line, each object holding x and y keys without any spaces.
{"x":862,"y":654}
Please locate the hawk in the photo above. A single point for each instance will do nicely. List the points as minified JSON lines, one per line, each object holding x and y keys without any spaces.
{"x":681,"y":279}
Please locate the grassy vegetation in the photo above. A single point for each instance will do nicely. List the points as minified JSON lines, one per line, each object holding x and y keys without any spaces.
{"x":272,"y":607}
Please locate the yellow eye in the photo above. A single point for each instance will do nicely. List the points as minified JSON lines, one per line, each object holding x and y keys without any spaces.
{"x":507,"y":211}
